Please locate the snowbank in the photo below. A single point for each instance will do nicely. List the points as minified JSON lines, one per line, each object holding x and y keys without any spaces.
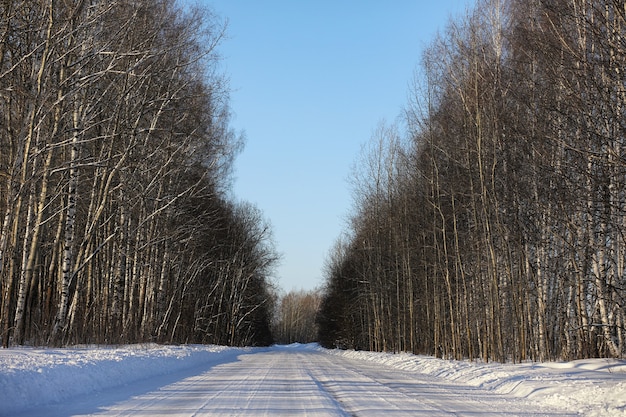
{"x":32,"y":377}
{"x":591,"y":387}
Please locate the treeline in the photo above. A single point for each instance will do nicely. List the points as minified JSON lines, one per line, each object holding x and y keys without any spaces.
{"x":295,"y":317}
{"x":494,"y":226}
{"x":115,"y":150}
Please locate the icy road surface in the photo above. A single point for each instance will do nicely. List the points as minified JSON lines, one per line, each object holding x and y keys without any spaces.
{"x":283,"y":381}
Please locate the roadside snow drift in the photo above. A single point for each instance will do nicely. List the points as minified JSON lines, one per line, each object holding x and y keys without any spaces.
{"x":32,"y":377}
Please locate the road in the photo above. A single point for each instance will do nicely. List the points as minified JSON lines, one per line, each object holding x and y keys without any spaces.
{"x":296,"y":382}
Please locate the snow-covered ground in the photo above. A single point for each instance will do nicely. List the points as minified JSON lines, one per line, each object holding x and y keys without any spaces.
{"x":590,"y":387}
{"x":34,"y":377}
{"x":93,"y":378}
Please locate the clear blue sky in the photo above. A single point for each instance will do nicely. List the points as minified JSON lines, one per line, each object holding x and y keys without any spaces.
{"x":311,"y":80}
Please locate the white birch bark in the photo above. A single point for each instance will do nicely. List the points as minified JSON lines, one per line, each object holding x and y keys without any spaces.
{"x":67,"y":271}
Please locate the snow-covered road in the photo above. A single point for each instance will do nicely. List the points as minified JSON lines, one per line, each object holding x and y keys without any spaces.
{"x":208,"y":380}
{"x":288,"y":381}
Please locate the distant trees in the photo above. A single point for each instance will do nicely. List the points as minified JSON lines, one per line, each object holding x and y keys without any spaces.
{"x":497,"y":231}
{"x":295,"y":317}
{"x":114,"y":158}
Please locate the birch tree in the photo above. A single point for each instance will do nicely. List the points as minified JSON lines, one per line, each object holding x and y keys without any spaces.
{"x":515,"y":224}
{"x":114,"y":176}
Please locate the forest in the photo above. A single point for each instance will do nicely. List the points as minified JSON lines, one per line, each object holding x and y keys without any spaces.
{"x":489,"y":221}
{"x":117,"y":223}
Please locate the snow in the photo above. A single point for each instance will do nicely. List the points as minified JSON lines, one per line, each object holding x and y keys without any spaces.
{"x":590,"y":387}
{"x":93,"y":378}
{"x":33,"y":377}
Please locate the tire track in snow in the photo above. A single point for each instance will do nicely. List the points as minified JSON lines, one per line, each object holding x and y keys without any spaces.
{"x":364,"y":395}
{"x":329,"y":395}
{"x":274,"y":383}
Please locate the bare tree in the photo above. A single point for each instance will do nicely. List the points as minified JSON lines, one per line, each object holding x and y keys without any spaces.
{"x":510,"y":205}
{"x":114,"y":168}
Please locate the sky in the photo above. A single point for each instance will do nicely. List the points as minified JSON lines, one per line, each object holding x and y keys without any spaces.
{"x":310,"y":81}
